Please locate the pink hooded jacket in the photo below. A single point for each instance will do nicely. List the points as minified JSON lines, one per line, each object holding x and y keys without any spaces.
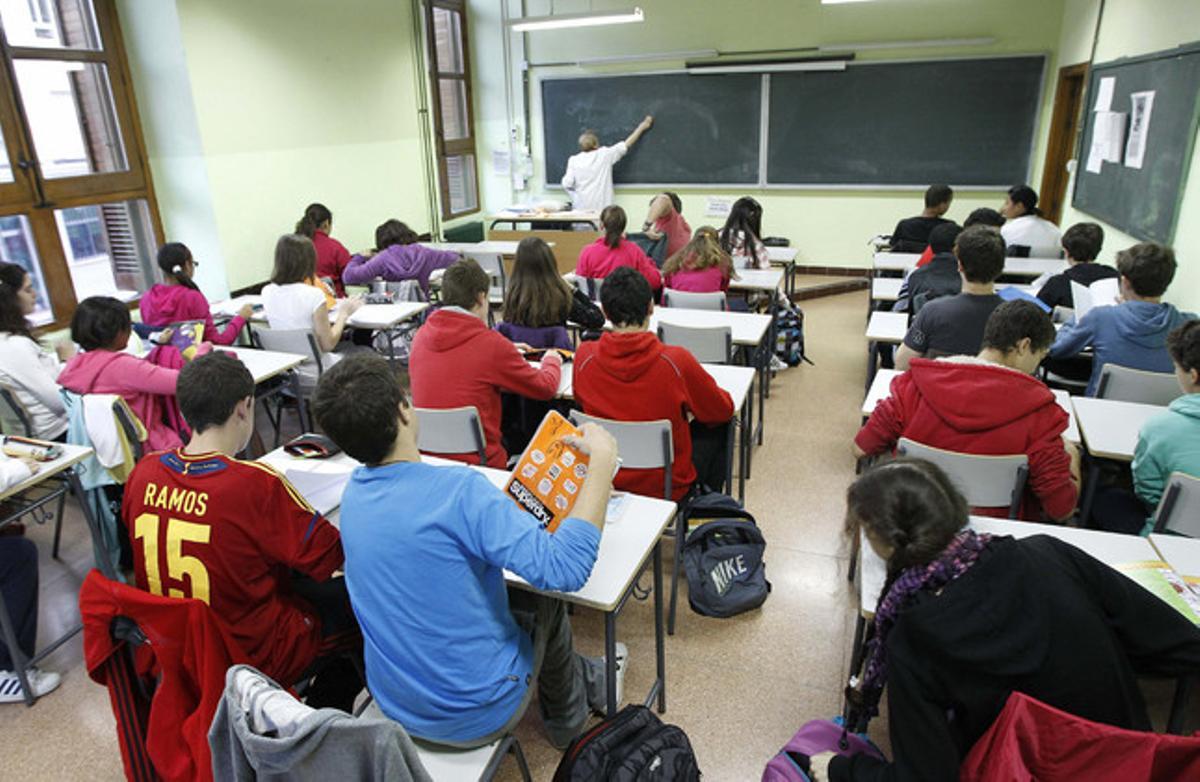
{"x":140,"y":383}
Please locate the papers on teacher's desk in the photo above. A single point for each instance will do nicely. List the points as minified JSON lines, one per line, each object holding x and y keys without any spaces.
{"x":321,"y":483}
{"x":1101,"y":293}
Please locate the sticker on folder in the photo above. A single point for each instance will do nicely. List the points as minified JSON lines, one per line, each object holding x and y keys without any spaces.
{"x":538,"y":483}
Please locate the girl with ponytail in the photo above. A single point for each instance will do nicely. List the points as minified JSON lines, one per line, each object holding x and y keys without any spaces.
{"x":613,"y":250}
{"x":332,"y":255}
{"x":965,"y":619}
{"x":177,"y":299}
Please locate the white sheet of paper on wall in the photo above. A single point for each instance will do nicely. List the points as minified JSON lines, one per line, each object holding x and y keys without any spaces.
{"x":1104,"y":94}
{"x":1114,"y":135}
{"x":717,"y":207}
{"x":1142,"y":104}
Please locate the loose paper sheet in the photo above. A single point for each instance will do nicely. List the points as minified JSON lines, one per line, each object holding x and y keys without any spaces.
{"x":1139,"y":128}
{"x":1101,"y":293}
{"x":319,"y":482}
{"x":1104,"y":94}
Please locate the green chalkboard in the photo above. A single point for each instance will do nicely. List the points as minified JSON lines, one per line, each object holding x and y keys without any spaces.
{"x":706,"y":127}
{"x":963,"y":122}
{"x":1145,"y":202}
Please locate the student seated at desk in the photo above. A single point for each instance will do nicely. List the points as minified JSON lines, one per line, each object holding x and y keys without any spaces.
{"x":397,"y":257}
{"x":665,"y":218}
{"x":1026,"y":233}
{"x":1134,"y":332}
{"x":257,"y":553}
{"x":936,"y":279}
{"x":911,"y":235}
{"x":628,"y":375}
{"x":1081,"y":244}
{"x":988,"y":404}
{"x":741,"y":236}
{"x":613,"y":250}
{"x":332,"y":255}
{"x":538,"y":303}
{"x":700,"y":266}
{"x":953,"y":325}
{"x":457,"y":361}
{"x":981,"y":216}
{"x":101,"y":326}
{"x":177,"y":298}
{"x":966,"y":619}
{"x":28,"y":370}
{"x":19,"y":583}
{"x":451,"y":652}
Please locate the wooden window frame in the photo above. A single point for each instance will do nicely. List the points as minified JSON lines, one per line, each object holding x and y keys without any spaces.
{"x":454,"y":147}
{"x":39,"y":198}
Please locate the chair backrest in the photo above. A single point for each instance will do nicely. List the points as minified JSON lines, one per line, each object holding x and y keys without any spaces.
{"x":590,"y":286}
{"x":494,"y":266}
{"x":694,"y":301}
{"x":14,"y":418}
{"x":709,"y":345}
{"x":1179,"y":509}
{"x":641,"y":445}
{"x":130,"y":426}
{"x":456,"y":430}
{"x":297,"y":341}
{"x":1136,"y":385}
{"x":405,"y":290}
{"x":985,"y":481}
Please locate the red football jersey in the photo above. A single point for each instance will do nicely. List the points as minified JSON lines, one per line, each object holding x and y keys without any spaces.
{"x":230,"y":532}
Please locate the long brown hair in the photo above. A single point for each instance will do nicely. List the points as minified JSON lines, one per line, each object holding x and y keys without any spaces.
{"x":315,"y":216}
{"x":613,"y":218}
{"x":12,"y":319}
{"x":704,"y":250}
{"x":295,"y":259}
{"x":537,"y":295}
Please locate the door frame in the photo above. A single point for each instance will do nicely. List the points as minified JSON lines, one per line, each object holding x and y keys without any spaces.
{"x":1064,"y":132}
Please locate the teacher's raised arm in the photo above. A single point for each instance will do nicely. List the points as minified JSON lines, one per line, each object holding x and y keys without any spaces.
{"x":589,"y":178}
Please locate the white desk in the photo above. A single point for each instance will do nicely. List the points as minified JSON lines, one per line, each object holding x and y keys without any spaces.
{"x":71,"y":456}
{"x":1110,"y":428}
{"x":785,"y":257}
{"x":748,"y":329}
{"x":1182,"y":554}
{"x":757,"y":280}
{"x":896,"y":262}
{"x":264,"y":364}
{"x":889,"y":327}
{"x":886,"y":288}
{"x":782,"y":254}
{"x":497,"y":247}
{"x":227,"y":308}
{"x":385,"y":318}
{"x":536,"y":218}
{"x":881,"y":388}
{"x":1033,"y":267}
{"x":625,"y":545}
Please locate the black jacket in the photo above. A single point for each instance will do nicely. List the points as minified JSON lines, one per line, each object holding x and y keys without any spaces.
{"x":1035,"y":615}
{"x":911,"y":234}
{"x":1057,"y":290}
{"x":935,"y":279}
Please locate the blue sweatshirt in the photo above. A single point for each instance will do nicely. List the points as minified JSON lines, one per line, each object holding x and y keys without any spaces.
{"x":1132,"y":334}
{"x":425,"y":550}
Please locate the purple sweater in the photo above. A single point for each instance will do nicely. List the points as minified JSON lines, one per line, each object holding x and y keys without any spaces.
{"x":398,"y":263}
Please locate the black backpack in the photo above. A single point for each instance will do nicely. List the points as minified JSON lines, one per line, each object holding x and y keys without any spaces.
{"x":723,"y":558}
{"x":633,"y":746}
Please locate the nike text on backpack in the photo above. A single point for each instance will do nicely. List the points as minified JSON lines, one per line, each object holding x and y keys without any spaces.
{"x":723,"y":558}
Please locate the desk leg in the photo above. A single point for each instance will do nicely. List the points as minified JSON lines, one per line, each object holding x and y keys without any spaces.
{"x":1089,"y":491}
{"x":748,"y":430}
{"x":105,"y":563}
{"x":610,"y":661}
{"x":660,"y":650}
{"x":872,"y":351}
{"x":733,"y":425}
{"x":20,"y":663}
{"x":763,"y":371}
{"x":743,"y":450}
{"x":391,"y":339}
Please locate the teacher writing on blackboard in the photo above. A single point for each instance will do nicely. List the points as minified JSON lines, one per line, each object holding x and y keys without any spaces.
{"x":589,"y":178}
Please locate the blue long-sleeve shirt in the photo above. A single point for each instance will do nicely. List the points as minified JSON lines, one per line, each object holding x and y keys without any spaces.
{"x":425,"y":548}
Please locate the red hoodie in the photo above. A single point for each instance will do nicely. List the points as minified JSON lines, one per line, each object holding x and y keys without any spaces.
{"x":598,"y":260}
{"x":457,"y":361}
{"x":634,"y":377}
{"x":166,"y":304}
{"x":974,"y":407}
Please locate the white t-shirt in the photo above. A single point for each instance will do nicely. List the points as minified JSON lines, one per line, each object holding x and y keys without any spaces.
{"x":292,"y":306}
{"x":32,"y":374}
{"x":589,"y":179}
{"x":1041,"y":236}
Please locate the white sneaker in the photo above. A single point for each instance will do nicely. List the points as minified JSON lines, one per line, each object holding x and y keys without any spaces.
{"x":42,"y":683}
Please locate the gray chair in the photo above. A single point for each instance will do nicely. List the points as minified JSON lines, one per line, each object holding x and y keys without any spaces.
{"x":494,"y":266}
{"x":590,"y":286}
{"x":694,"y":301}
{"x":301,"y":342}
{"x":708,"y":345}
{"x":985,"y":481}
{"x":455,"y":430}
{"x":14,"y":418}
{"x":1136,"y":385}
{"x":647,"y":445}
{"x":1178,"y":511}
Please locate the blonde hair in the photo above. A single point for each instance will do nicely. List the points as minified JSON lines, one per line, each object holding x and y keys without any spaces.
{"x":588,"y":140}
{"x":704,"y":250}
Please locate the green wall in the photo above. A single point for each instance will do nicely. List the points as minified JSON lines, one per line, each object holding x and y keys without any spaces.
{"x":830,"y":227}
{"x":1130,"y":28}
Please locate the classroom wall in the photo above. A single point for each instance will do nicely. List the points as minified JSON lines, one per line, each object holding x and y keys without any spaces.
{"x":830,"y":227}
{"x":1130,"y":28}
{"x":294,"y":101}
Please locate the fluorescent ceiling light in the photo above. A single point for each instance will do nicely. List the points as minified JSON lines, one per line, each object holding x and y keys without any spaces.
{"x":833,"y":65}
{"x":591,"y":19}
{"x":839,"y":2}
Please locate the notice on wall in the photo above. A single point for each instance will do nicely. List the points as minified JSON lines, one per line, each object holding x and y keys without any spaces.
{"x":1139,"y":128}
{"x":501,"y":162}
{"x":1104,"y":94}
{"x":718,"y":207}
{"x":1108,"y":140}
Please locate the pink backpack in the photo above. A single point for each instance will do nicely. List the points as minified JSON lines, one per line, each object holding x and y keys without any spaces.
{"x":791,"y":764}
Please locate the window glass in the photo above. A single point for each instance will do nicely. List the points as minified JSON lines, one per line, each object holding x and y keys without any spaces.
{"x":447,"y":40}
{"x":109,"y":248}
{"x":6,"y":172}
{"x":50,"y":24}
{"x":71,"y":116}
{"x":460,"y":173}
{"x":17,"y":246}
{"x":453,"y":96}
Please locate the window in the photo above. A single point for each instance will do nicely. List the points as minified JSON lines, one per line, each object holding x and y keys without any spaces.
{"x":450,"y":69}
{"x":76,"y":201}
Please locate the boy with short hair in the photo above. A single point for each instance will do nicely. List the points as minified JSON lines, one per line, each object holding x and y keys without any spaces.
{"x":989,"y":404}
{"x":1081,"y":244}
{"x":1134,"y":332}
{"x":457,"y":361}
{"x":426,"y":548}
{"x":953,"y":325}
{"x":238,"y":536}
{"x":1170,"y":442}
{"x":628,"y":375}
{"x":911,"y":234}
{"x":937,"y":278}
